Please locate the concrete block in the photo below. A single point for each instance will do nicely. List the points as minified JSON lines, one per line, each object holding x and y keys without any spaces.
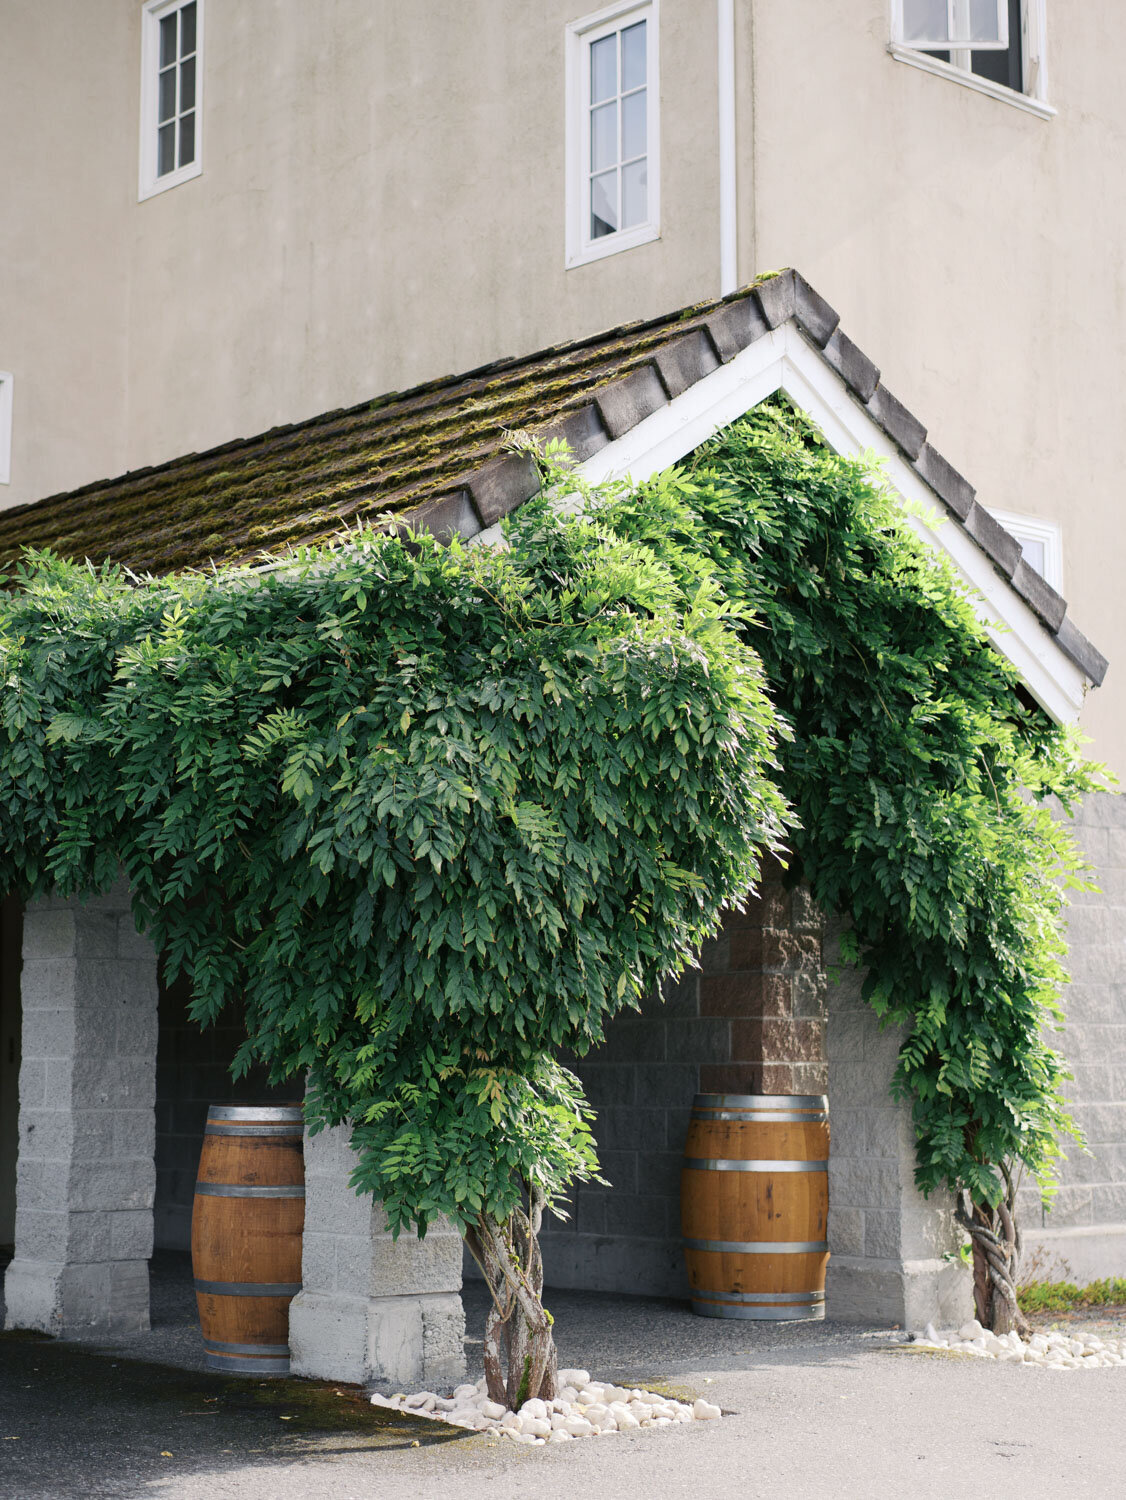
{"x":621,"y":1129}
{"x":846,"y":1230}
{"x":864,"y":1183}
{"x":113,"y":1185}
{"x":33,"y":1082}
{"x":620,"y":1169}
{"x":48,"y":1032}
{"x":699,"y":1040}
{"x":882,"y":1234}
{"x":410,"y":1265}
{"x":95,"y":934}
{"x":45,"y":1135}
{"x":47,"y":983}
{"x":318,"y":1261}
{"x":1081,"y":1255}
{"x":131,"y":1236}
{"x":678,"y":997}
{"x":443,"y":1340}
{"x":134,"y":1133}
{"x":41,"y":1186}
{"x":608,"y":1083}
{"x":590,"y":1211}
{"x":31,"y":1295}
{"x":47,"y":934}
{"x":1072,"y":1206}
{"x":1108,"y":1206}
{"x":665,"y":1084}
{"x":631,"y":1039}
{"x":615,"y":1265}
{"x":659,"y":1172}
{"x":884,"y":1134}
{"x":849,"y":1130}
{"x":635,"y":1216}
{"x":328,"y":1336}
{"x":132,"y":945}
{"x":42,"y":1233}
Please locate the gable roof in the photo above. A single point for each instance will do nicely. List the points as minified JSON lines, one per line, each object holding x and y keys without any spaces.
{"x":433,"y":457}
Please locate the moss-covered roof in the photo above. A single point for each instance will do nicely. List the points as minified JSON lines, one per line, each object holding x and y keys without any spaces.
{"x":306,"y":481}
{"x":434,"y":457}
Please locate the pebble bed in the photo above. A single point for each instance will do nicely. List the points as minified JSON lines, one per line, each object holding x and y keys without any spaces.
{"x":1053,"y":1351}
{"x":583,"y":1408}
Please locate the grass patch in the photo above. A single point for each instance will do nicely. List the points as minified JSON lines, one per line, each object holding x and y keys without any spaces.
{"x":1065,"y":1296}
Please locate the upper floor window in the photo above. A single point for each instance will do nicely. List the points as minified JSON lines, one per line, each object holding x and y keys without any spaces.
{"x":994,"y":46}
{"x":171,"y":53}
{"x":612,"y":131}
{"x":5,"y":427}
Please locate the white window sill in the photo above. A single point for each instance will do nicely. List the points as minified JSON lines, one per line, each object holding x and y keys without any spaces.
{"x":971,"y":81}
{"x":169,"y":180}
{"x":611,"y":244}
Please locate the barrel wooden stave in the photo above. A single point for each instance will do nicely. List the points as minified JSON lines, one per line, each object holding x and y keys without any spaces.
{"x":759,"y":1207}
{"x":247,"y":1224}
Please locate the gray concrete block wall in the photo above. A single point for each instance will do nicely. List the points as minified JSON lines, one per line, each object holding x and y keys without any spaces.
{"x":85,"y":1174}
{"x":371,"y":1308}
{"x":893,"y":1253}
{"x":1082,"y":1234}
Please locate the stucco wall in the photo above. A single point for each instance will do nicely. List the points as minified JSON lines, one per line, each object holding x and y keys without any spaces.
{"x":382,"y":201}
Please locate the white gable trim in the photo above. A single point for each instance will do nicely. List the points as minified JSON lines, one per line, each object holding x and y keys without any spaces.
{"x":783,"y":360}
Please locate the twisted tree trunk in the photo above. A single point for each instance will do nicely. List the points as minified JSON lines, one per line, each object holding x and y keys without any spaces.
{"x":996,"y":1239}
{"x":518,"y":1336}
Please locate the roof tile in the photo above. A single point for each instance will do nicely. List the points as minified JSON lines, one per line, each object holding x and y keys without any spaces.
{"x":1000,"y":545}
{"x":503,"y":484}
{"x":736,"y":325}
{"x":813,"y":313}
{"x":945,"y":481}
{"x":626,"y":402}
{"x":684,"y":361}
{"x":899,"y":424}
{"x":776,"y":298}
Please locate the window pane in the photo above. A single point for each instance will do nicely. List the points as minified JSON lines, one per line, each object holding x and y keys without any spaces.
{"x":985,"y":25}
{"x":167,"y":94}
{"x":187,"y":84}
{"x":168,"y":40}
{"x":603,"y":205}
{"x":187,"y":139}
{"x":1034,"y":554}
{"x":166,"y":149}
{"x":633,"y":124}
{"x":604,"y":69}
{"x":603,"y":137}
{"x":925,"y":21}
{"x":187,"y":29}
{"x":635,"y":196}
{"x":633,"y":57}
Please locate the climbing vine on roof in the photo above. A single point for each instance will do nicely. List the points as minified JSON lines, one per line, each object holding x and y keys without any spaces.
{"x":428,"y":815}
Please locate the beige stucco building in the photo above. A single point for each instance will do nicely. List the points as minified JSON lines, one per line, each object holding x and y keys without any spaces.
{"x":216,"y":218}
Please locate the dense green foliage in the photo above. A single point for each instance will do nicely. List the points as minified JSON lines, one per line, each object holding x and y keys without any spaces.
{"x":917,"y":772}
{"x":427,"y":815}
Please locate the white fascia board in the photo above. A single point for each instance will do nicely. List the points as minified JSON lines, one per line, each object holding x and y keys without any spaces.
{"x":783,"y":360}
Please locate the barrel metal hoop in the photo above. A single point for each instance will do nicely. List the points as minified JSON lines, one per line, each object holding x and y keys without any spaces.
{"x":249,"y":1112}
{"x":246,"y":1366}
{"x":250,"y":1130}
{"x":248,"y":1288}
{"x":759,"y":1116}
{"x":722,"y":1164}
{"x":216,"y":1346}
{"x":246,"y":1190}
{"x":761,"y":1101}
{"x":764,"y":1313}
{"x":752,"y":1299}
{"x":761,"y":1247}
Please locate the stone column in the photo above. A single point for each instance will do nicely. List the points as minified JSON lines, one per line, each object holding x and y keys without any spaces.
{"x":85,"y":1175}
{"x":893,"y":1252}
{"x":371,"y":1308}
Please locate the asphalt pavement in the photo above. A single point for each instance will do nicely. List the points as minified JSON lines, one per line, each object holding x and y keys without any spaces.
{"x":812,"y":1412}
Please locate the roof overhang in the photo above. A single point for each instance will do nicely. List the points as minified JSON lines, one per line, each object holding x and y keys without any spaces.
{"x":785,"y":360}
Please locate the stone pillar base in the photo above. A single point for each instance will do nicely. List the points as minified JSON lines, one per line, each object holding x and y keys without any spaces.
{"x":911,"y":1293}
{"x":403,"y":1341}
{"x":91,"y":1298}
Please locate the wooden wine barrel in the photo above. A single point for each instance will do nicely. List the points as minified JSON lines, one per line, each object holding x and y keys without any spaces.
{"x":247,"y":1221}
{"x":754,"y":1205}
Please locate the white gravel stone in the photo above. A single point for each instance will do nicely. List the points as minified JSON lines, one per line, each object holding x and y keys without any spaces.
{"x":704,"y":1411}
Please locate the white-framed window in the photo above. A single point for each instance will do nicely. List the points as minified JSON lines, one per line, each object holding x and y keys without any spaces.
{"x":613,"y":177}
{"x":1041,"y":544}
{"x":993,"y":46}
{"x":171,"y":93}
{"x":5,"y":427}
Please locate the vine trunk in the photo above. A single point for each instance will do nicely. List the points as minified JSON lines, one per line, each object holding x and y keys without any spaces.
{"x":996,"y":1239}
{"x":520,"y":1358}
